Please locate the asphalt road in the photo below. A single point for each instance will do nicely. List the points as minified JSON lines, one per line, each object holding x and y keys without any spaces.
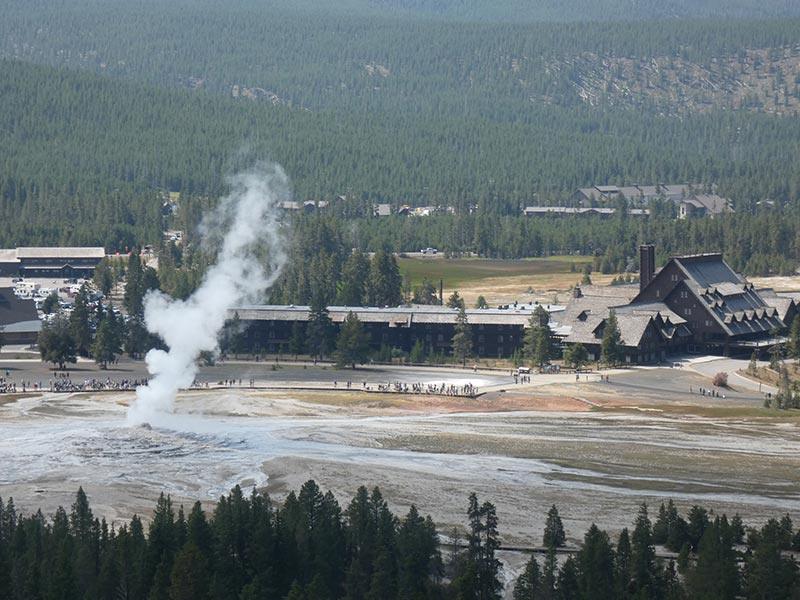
{"x":662,"y":384}
{"x":267,"y":372}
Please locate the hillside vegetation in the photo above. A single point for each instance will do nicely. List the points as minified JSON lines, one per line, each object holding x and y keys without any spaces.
{"x":464,"y":104}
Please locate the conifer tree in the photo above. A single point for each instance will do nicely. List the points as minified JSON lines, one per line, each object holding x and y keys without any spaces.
{"x":529,"y":583}
{"x":79,"y":326}
{"x":595,"y":562}
{"x":352,"y":344}
{"x":56,"y":344}
{"x":612,"y":352}
{"x":643,"y":556}
{"x":462,"y":339}
{"x":319,"y":330}
{"x":455,"y":301}
{"x":554,"y":536}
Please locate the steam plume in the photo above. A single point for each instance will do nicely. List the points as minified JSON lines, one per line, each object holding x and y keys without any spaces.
{"x":251,"y":256}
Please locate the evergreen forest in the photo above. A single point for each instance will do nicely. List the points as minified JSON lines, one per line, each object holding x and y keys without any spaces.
{"x":310,"y":547}
{"x":123,"y":119}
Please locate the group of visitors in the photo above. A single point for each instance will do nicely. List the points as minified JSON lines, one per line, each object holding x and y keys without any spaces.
{"x":65,"y":384}
{"x":444,"y":389}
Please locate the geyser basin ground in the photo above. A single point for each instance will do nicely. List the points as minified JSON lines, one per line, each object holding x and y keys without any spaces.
{"x":596,"y":466}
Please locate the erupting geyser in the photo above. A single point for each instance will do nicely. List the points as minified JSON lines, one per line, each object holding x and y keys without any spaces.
{"x":245,"y":226}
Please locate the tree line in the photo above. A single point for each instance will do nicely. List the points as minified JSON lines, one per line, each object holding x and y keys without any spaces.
{"x":86,"y":160}
{"x":310,"y":547}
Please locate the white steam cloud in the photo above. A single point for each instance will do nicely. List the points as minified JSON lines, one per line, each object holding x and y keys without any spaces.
{"x":245,"y":226}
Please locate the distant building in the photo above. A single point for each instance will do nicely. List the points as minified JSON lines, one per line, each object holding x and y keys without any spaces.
{"x":690,"y":202}
{"x":694,"y":303}
{"x":50,"y":262}
{"x":308,"y":206}
{"x":19,"y":321}
{"x":703,"y":205}
{"x":568,"y":211}
{"x":496,"y":332}
{"x":382,"y":210}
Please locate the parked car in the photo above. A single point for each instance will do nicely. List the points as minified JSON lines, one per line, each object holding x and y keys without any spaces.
{"x":429,"y":251}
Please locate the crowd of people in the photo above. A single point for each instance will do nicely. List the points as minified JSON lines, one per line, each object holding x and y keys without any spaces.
{"x":444,"y":389}
{"x":65,"y":384}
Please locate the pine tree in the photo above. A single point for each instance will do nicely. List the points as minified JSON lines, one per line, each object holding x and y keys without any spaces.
{"x":455,"y":301}
{"x":567,"y":586}
{"x":767,"y":573}
{"x":554,"y":536}
{"x":51,"y":304}
{"x":419,"y":560}
{"x":319,"y":330}
{"x":352,"y":344}
{"x":79,"y":326}
{"x":793,"y":343}
{"x":538,"y":346}
{"x":529,"y":583}
{"x":297,"y":341}
{"x":596,"y":565}
{"x":622,"y":565}
{"x":612,"y":352}
{"x":715,"y":574}
{"x":56,"y":344}
{"x":384,"y":286}
{"x":103,"y":277}
{"x":352,"y":284}
{"x":643,"y":556}
{"x":477,"y":575}
{"x":576,"y":355}
{"x":462,"y":339}
{"x":106,"y":344}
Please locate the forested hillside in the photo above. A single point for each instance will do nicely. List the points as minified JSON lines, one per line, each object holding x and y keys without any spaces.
{"x":460,"y":103}
{"x":364,"y":60}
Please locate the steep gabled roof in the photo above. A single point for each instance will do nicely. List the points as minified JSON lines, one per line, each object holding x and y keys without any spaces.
{"x":728,"y":298}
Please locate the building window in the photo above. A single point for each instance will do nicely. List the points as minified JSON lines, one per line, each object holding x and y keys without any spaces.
{"x":708,"y":323}
{"x":684,"y":294}
{"x":688,"y":312}
{"x":499,"y":339}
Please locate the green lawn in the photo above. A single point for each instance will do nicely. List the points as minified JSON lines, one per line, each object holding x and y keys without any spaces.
{"x":458,"y":271}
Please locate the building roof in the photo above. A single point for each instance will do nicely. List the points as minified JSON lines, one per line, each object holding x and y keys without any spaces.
{"x":567,"y":210}
{"x":625,"y":292}
{"x":14,"y":311}
{"x":397,"y":316}
{"x":781,"y":301}
{"x":728,"y":298}
{"x":631,"y":329}
{"x":713,"y":204}
{"x":61,"y":252}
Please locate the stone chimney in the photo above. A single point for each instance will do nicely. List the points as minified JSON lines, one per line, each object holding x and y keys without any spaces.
{"x":647,"y":265}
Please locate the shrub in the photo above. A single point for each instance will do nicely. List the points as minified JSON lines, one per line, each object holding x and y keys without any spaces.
{"x":720,"y":379}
